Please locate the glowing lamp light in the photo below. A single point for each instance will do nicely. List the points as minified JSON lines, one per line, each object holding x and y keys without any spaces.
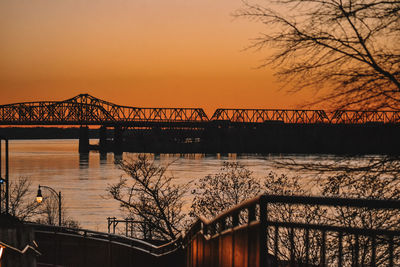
{"x":1,"y":251}
{"x":39,"y":197}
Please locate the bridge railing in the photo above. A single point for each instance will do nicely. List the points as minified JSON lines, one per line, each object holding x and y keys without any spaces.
{"x":272,"y":230}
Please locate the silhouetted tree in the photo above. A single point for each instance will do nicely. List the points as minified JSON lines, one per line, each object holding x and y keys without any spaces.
{"x":216,"y":193}
{"x":22,"y":203}
{"x":368,"y":186}
{"x":286,"y":185}
{"x":48,"y":213}
{"x":364,"y":178}
{"x":351,"y":48}
{"x":150,"y":198}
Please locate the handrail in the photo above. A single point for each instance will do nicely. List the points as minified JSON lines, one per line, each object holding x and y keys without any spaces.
{"x":23,"y":251}
{"x":302,"y":200}
{"x":245,"y":204}
{"x":133,"y":242}
{"x":202,"y":224}
{"x":258,"y":215}
{"x":333,"y":201}
{"x":217,"y":225}
{"x":305,"y":200}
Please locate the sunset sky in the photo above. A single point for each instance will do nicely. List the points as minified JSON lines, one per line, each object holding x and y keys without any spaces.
{"x":145,"y":53}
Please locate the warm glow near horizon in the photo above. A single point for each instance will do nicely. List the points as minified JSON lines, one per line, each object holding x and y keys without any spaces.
{"x":185,"y":53}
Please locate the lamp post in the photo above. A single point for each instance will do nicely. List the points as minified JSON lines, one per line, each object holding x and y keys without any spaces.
{"x":4,"y":180}
{"x":39,"y":199}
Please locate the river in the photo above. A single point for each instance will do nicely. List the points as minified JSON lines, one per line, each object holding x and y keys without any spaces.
{"x":83,"y":180}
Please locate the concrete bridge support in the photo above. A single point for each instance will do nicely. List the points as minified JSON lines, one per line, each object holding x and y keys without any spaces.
{"x":103,"y":139}
{"x":118,"y":140}
{"x":84,"y":139}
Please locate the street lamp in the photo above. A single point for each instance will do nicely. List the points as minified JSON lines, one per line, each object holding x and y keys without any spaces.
{"x":39,"y":199}
{"x":4,"y":180}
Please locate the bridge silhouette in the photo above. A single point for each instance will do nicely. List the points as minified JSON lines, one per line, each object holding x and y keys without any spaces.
{"x":190,"y":130}
{"x":85,"y":109}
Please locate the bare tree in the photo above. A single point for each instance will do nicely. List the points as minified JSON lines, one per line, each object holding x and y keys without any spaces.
{"x":22,"y":203}
{"x":23,"y":206}
{"x":368,"y":186}
{"x":350,"y":48}
{"x":363,"y":178}
{"x":292,"y":185}
{"x":219,"y":192}
{"x":150,"y":198}
{"x":48,"y":213}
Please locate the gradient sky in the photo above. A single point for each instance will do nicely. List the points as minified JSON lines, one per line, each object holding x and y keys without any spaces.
{"x":145,"y":53}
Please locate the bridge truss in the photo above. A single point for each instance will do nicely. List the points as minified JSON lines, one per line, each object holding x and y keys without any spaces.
{"x":267,"y":115}
{"x":85,"y":109}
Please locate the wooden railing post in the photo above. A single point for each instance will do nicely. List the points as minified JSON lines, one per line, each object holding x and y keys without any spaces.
{"x":252,"y":213}
{"x":235,"y":219}
{"x":205,"y":229}
{"x":263,"y":248}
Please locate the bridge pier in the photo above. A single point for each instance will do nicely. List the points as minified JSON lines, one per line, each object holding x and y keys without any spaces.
{"x":103,"y":139}
{"x":84,"y":139}
{"x":117,"y":140}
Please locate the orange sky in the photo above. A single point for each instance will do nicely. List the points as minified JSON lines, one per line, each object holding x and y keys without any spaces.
{"x":186,"y":53}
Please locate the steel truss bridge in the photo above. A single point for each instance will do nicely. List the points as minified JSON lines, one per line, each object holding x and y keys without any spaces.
{"x":85,"y":109}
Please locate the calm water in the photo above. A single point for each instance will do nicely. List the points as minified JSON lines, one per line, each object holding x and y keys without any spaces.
{"x":83,"y":180}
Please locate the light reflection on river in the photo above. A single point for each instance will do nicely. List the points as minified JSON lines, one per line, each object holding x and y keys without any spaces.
{"x":83,"y":179}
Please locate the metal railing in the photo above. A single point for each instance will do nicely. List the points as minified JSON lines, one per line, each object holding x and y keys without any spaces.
{"x":273,"y":230}
{"x":23,"y":251}
{"x":132,"y":228}
{"x":134,"y":243}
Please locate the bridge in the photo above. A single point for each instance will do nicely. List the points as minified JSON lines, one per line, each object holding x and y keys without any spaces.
{"x":190,"y":130}
{"x":266,"y":231}
{"x":85,"y":109}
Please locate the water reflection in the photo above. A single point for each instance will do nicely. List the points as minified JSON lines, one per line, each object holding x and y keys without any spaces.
{"x":103,"y":158}
{"x":55,"y":163}
{"x":118,"y":158}
{"x":83,"y":161}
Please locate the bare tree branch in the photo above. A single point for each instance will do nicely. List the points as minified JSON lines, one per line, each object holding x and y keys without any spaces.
{"x":348,"y":49}
{"x":150,"y":197}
